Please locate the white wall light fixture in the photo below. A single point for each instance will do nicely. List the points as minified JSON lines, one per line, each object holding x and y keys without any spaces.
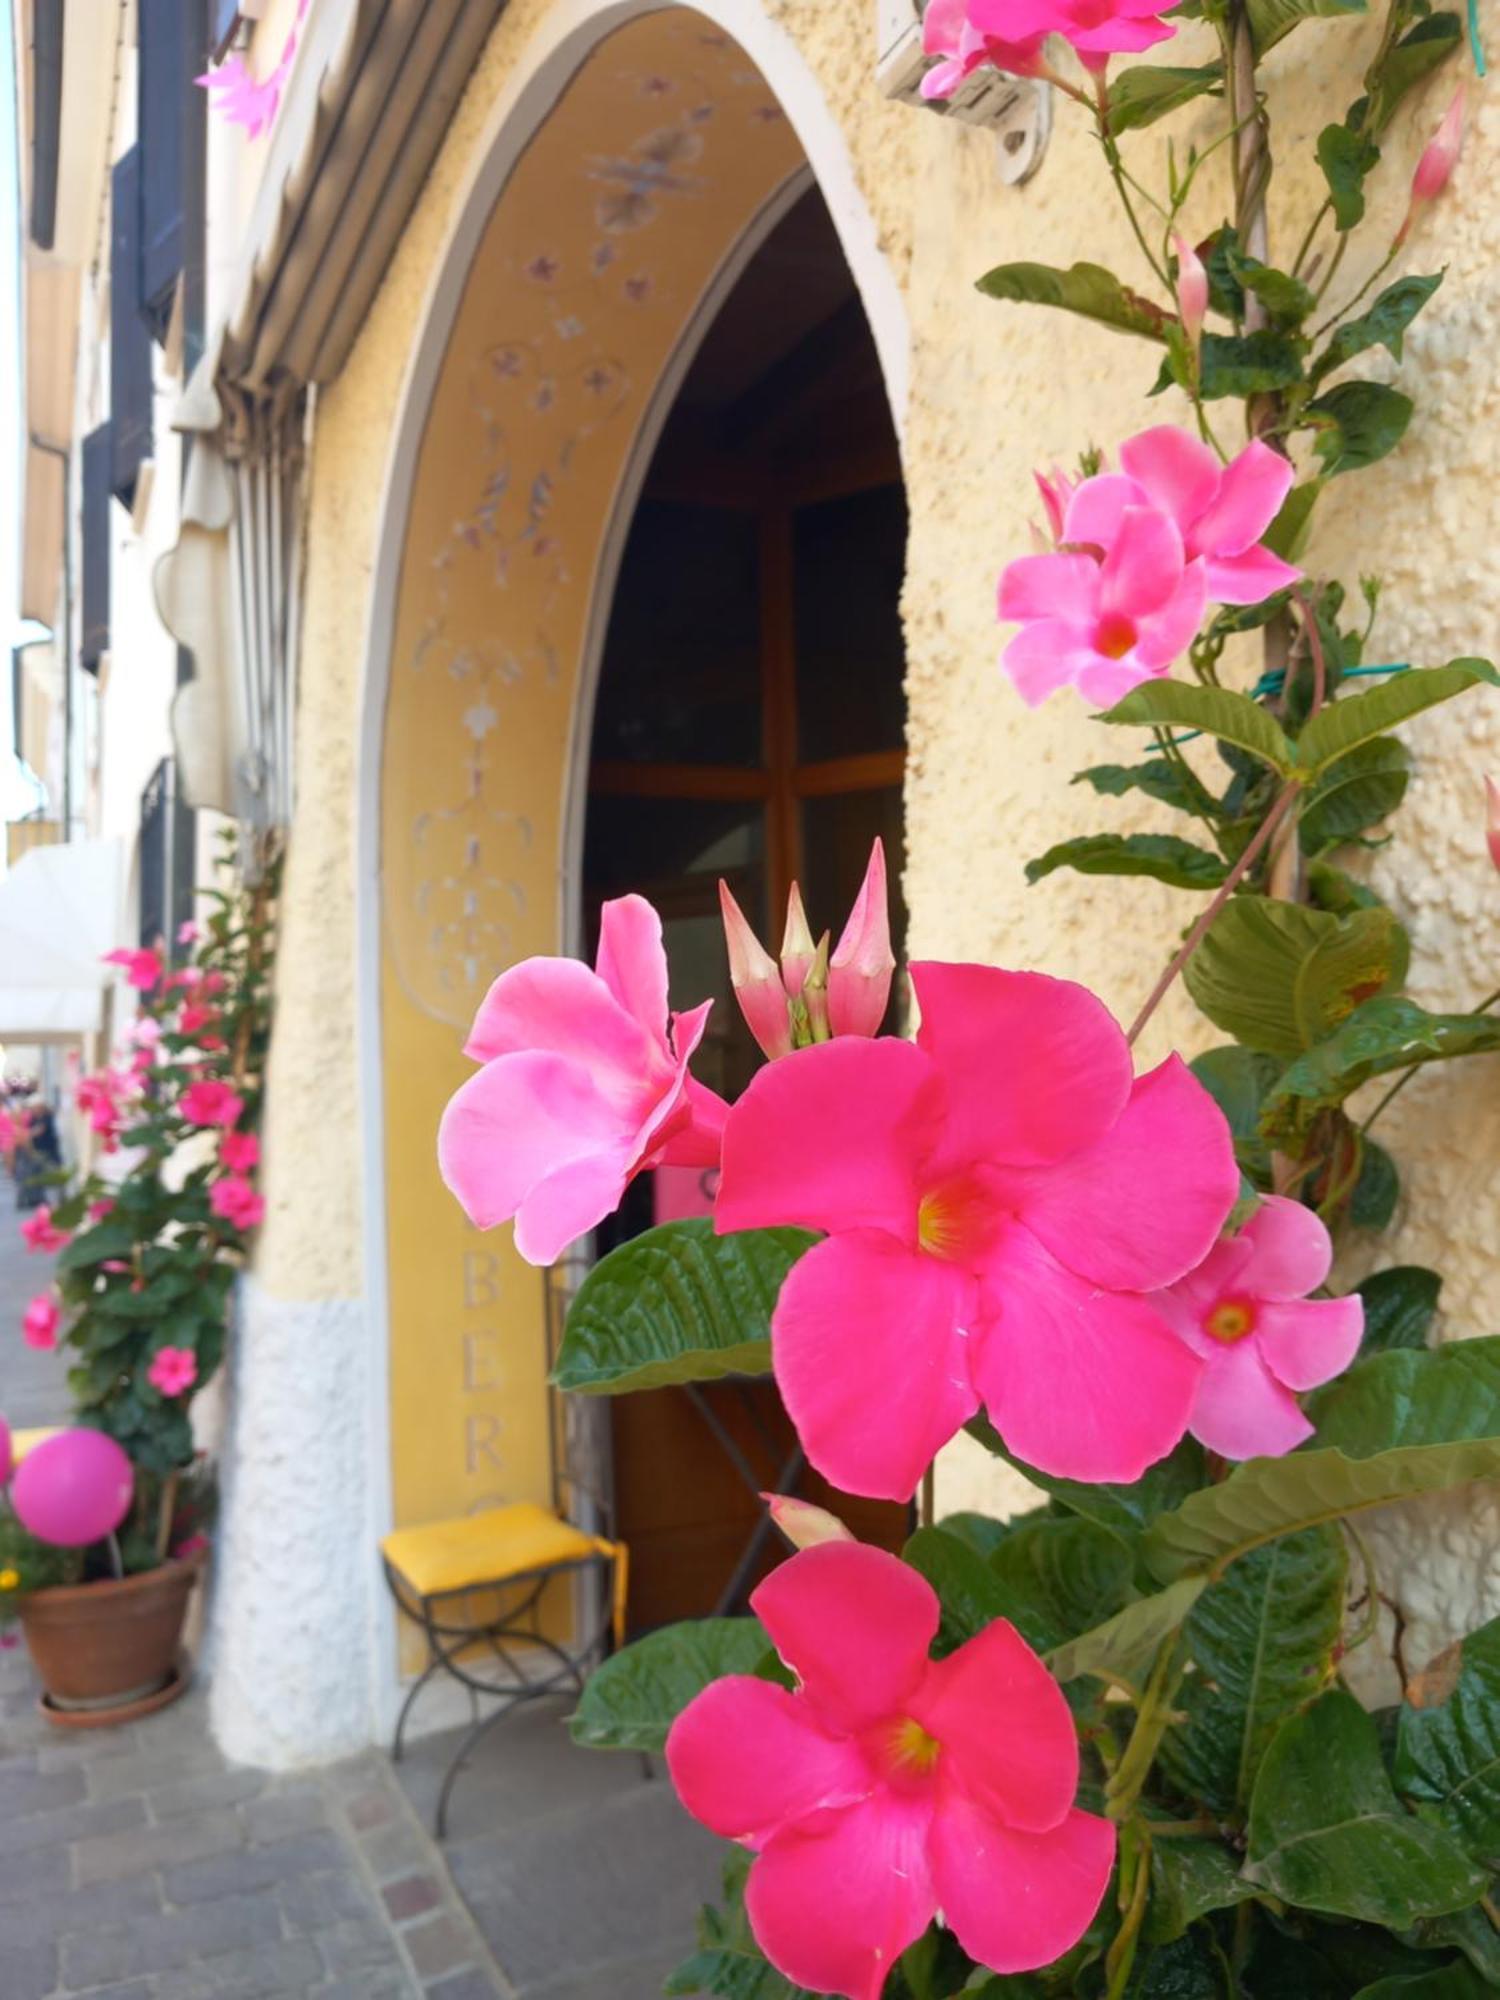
{"x":1018,"y":110}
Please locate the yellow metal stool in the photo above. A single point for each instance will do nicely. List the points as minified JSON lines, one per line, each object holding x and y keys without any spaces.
{"x":477,"y":1583}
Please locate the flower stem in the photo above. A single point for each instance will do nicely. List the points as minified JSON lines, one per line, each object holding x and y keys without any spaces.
{"x":1222,"y":894}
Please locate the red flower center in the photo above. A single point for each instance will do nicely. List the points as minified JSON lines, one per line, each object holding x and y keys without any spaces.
{"x":1115,"y":635}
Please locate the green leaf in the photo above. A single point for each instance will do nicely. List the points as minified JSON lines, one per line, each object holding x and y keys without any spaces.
{"x":1233,"y":718}
{"x":1359,"y":718}
{"x":1238,"y":1080}
{"x":106,"y":1239}
{"x":728,"y":1962}
{"x":1248,"y":364}
{"x":1448,"y":1750}
{"x":1060,"y":1577}
{"x":1086,"y":289}
{"x":1446,"y":1982}
{"x":1124,"y":1509}
{"x":1377,"y":1189}
{"x":1139,"y":96}
{"x":1419,"y":52}
{"x":1327,"y":1831}
{"x":1468,"y":1931}
{"x":1354,"y":794}
{"x":634,"y":1698}
{"x":1162,"y":856}
{"x":678,"y":1304}
{"x":1189,"y":1880}
{"x":1287,"y":534}
{"x":1357,"y":424}
{"x":1400,"y":1305}
{"x":1271,"y":19}
{"x":1384,"y":325}
{"x":1262,"y":1643}
{"x":1346,"y":159}
{"x":1430,"y":1396}
{"x":1156,"y":778}
{"x":1280,"y":977}
{"x":1382,"y":1035}
{"x":1124,"y":1646}
{"x":967,"y":1588}
{"x":1286,"y":299}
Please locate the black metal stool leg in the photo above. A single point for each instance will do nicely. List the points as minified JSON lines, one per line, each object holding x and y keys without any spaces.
{"x":460,"y":1757}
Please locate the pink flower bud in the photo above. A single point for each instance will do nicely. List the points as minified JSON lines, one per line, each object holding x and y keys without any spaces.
{"x":859,"y":974}
{"x":797,"y":947}
{"x":803,"y":1524}
{"x":1492,"y":829}
{"x":756,"y":978}
{"x":1440,"y":154}
{"x":1056,"y":490}
{"x":1192,"y":290}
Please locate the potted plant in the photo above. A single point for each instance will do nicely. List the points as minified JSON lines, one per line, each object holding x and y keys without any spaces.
{"x":103,"y":1529}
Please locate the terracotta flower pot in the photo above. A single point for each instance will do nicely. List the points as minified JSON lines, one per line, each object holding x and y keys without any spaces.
{"x":107,"y":1651}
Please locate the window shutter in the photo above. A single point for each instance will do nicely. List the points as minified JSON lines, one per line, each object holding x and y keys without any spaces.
{"x":130,"y":391}
{"x":172,"y":48}
{"x":223,"y":21}
{"x":97,"y":466}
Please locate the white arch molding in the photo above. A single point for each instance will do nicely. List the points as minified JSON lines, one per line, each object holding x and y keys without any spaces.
{"x":571,"y":33}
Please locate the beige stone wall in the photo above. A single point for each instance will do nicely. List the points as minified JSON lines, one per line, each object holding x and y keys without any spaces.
{"x":995,"y":391}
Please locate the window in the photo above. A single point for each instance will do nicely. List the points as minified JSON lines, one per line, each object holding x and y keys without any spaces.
{"x":130,"y":386}
{"x":168,"y":836}
{"x":98,"y":452}
{"x":174,"y":41}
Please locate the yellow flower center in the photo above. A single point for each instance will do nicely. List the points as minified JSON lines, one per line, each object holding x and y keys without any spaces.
{"x":956,"y":1219}
{"x":1230,"y":1320}
{"x":912,"y":1747}
{"x":9,"y":1579}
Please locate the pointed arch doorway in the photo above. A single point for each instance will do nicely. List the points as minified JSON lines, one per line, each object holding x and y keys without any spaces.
{"x":749,"y":724}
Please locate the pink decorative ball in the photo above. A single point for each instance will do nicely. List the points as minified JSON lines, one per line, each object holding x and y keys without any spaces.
{"x":73,"y":1489}
{"x":7,"y":1458}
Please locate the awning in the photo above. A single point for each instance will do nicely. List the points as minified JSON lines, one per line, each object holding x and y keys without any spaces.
{"x":60,"y":911}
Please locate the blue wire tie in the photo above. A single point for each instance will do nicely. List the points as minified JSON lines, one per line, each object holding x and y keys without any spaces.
{"x":1476,"y":46}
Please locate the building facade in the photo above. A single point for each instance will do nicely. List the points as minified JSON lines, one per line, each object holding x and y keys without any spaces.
{"x":598,"y":464}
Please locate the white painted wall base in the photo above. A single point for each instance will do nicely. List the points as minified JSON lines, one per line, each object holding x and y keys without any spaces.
{"x":293,"y":1621}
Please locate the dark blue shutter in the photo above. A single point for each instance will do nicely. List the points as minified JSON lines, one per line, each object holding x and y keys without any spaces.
{"x":129,"y":340}
{"x":97,"y":466}
{"x":165,"y":78}
{"x":223,"y":20}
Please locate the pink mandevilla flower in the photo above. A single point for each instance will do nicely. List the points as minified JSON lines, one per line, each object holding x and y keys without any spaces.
{"x":1094,"y":29}
{"x":1440,"y":154}
{"x":172,"y":1370}
{"x":584,"y":1083}
{"x":890,"y":1786}
{"x":143,"y":969}
{"x":40,"y":1232}
{"x":210,"y":1102}
{"x":99,"y":1209}
{"x":948,"y":33}
{"x":1492,"y":819}
{"x":187,"y":932}
{"x":1192,"y":289}
{"x":234,"y":1200}
{"x":992,"y":1195}
{"x":41,"y":1320}
{"x":1245,"y":1312}
{"x":239,"y":1152}
{"x":1142,"y":553}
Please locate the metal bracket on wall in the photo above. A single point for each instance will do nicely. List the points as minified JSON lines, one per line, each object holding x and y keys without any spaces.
{"x":1016,"y":109}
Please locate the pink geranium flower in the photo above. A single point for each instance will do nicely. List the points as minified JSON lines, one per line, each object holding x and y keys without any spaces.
{"x":209,"y":1102}
{"x":239,"y":1152}
{"x":235,"y":1201}
{"x":949,"y":34}
{"x":41,"y":1320}
{"x":172,"y":1370}
{"x":1246,"y":1314}
{"x":992,"y":1196}
{"x":40,"y":1232}
{"x":890,"y":1786}
{"x":585,"y":1083}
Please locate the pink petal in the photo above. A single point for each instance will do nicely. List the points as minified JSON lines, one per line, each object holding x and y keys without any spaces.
{"x":1179,"y":474}
{"x":871,"y":1361}
{"x":1080,"y":1383}
{"x":1165,"y":636}
{"x":1004,"y":1727}
{"x":699,"y":1142}
{"x":1146,"y":1202}
{"x":1249,"y":578}
{"x":1242,"y":1411}
{"x":1016,"y":1901}
{"x":1251,"y":490}
{"x":1187,"y":1304}
{"x":943,"y":25}
{"x":834,"y":1904}
{"x":559,"y":1007}
{"x":1050,"y":586}
{"x":943,"y":79}
{"x":1119,"y":36}
{"x":855,"y":1625}
{"x":572,"y":1201}
{"x":1103,"y":682}
{"x":1036,"y":1068}
{"x":632,"y":962}
{"x":518,"y":1121}
{"x":832,"y":1137}
{"x":1291,"y":1253}
{"x":1047,"y":656}
{"x":747,"y":1756}
{"x":1311,"y":1341}
{"x":1143,"y":568}
{"x":1097,"y":508}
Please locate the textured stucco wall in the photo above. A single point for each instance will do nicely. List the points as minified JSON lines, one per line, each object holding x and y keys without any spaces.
{"x":995,"y":391}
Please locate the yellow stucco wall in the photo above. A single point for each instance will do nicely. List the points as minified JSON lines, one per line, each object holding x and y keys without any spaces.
{"x":995,"y":391}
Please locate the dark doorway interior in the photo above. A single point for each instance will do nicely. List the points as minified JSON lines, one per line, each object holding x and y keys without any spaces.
{"x":750,"y":724}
